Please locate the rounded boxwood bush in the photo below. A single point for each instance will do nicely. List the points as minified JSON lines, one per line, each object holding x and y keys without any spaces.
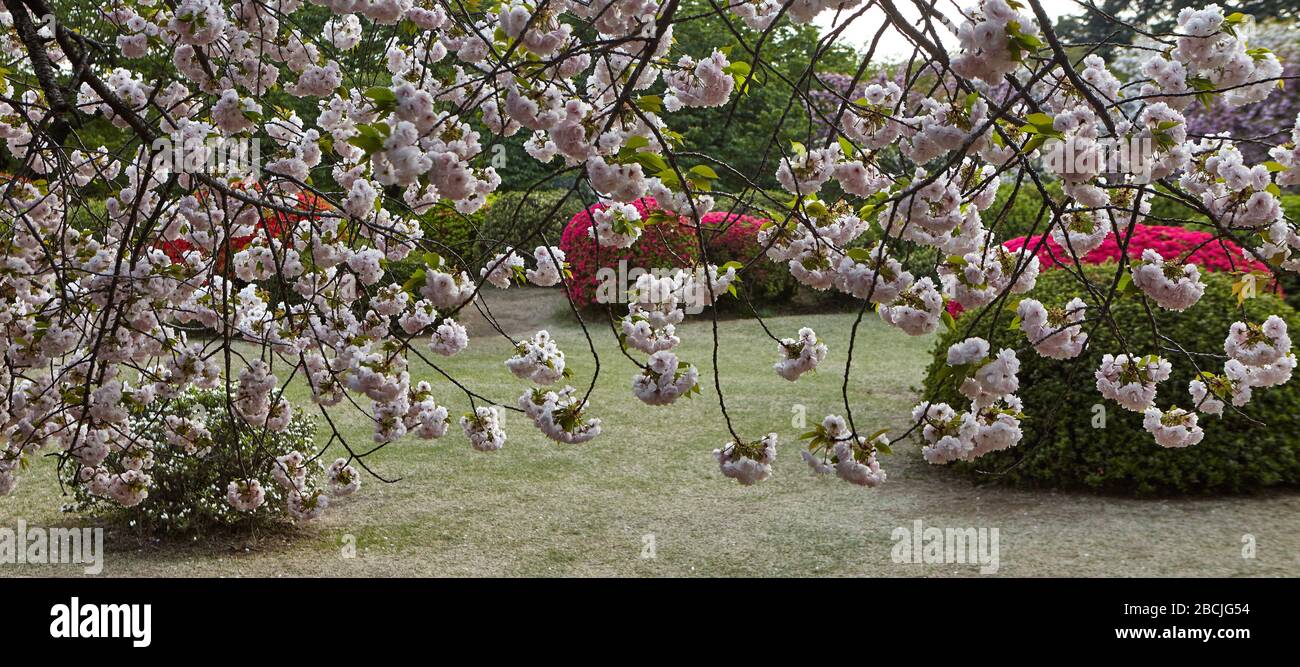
{"x":447,"y":232}
{"x":1063,"y":448}
{"x":451,"y":233}
{"x":733,"y":237}
{"x":1017,"y":212}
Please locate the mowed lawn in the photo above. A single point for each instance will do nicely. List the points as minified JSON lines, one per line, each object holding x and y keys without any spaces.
{"x":646,"y":497}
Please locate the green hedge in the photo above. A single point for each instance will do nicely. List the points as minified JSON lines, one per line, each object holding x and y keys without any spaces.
{"x":447,"y":232}
{"x":467,"y":240}
{"x":1062,"y":449}
{"x":514,"y":216}
{"x":1022,"y":218}
{"x":451,"y":232}
{"x":1024,"y":208}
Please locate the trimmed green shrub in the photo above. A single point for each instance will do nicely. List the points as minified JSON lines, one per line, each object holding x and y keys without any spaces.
{"x":447,"y":232}
{"x":514,"y":216}
{"x":1061,"y":448}
{"x":89,"y":215}
{"x":917,"y":259}
{"x":730,"y":237}
{"x":1023,"y":216}
{"x":188,"y":493}
{"x":1291,"y":205}
{"x":1289,"y":281}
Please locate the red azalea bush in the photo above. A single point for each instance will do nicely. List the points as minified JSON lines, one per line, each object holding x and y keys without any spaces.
{"x":274,"y":222}
{"x":1170,"y":242}
{"x":733,"y":237}
{"x":672,"y":243}
{"x":664,"y":244}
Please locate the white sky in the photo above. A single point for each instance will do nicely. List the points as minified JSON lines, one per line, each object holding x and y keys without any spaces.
{"x":894,"y":46}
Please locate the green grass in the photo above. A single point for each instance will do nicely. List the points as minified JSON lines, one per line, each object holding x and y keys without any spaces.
{"x":536,"y":508}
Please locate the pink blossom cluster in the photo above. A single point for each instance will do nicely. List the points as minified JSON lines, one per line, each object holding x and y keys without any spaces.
{"x":993,"y":421}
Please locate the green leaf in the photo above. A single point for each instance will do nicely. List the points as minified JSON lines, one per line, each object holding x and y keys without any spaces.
{"x":381,"y":95}
{"x":651,"y":161}
{"x":1035,"y":142}
{"x":704,"y":171}
{"x":859,"y":255}
{"x":1039,"y":119}
{"x":846,"y":146}
{"x":739,"y":67}
{"x":949,"y":322}
{"x":1029,"y":42}
{"x":414,"y":281}
{"x":1258,"y":53}
{"x":370,"y":143}
{"x":652,"y":103}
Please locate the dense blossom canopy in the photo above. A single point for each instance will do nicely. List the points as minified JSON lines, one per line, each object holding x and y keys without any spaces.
{"x":284,"y":259}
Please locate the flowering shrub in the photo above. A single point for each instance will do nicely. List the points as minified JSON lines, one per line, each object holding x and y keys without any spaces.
{"x":730,"y":237}
{"x":1077,"y":440}
{"x":1189,"y":245}
{"x":190,"y":450}
{"x":733,"y":237}
{"x":666,"y":244}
